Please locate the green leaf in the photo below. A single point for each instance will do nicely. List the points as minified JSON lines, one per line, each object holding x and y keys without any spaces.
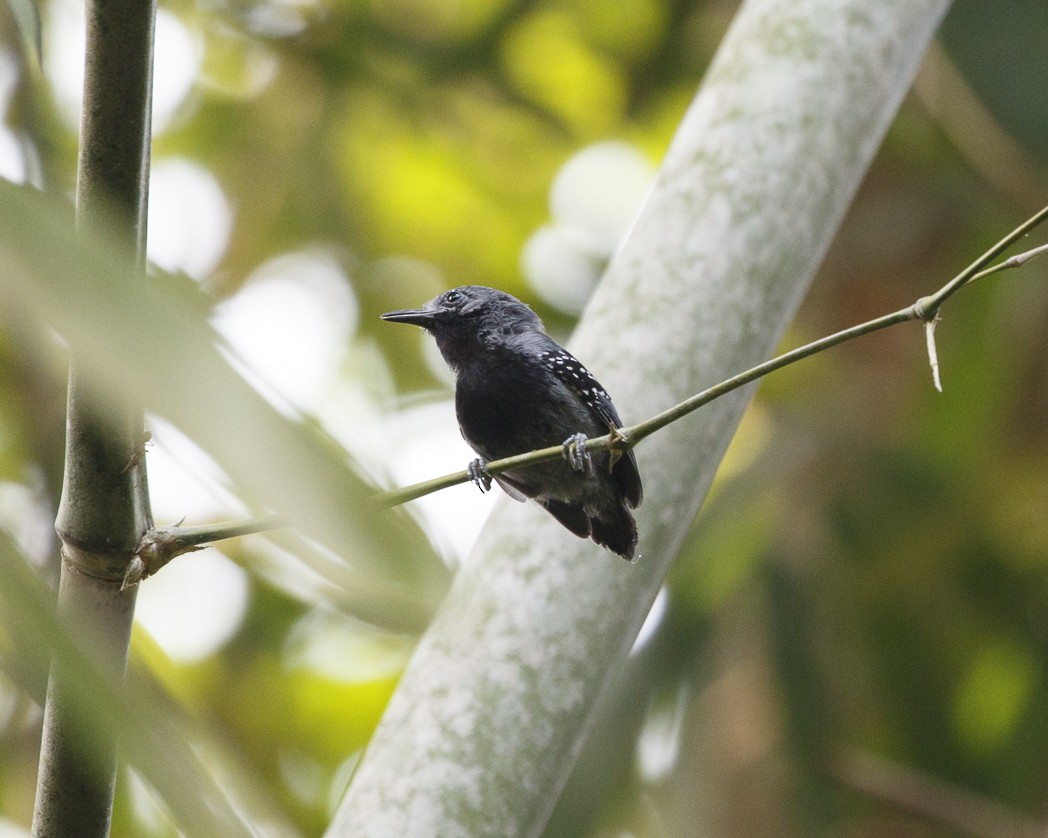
{"x":27,"y":20}
{"x":144,"y":345}
{"x":155,"y":742}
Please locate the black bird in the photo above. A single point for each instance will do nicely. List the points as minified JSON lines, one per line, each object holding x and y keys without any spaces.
{"x":518,"y":390}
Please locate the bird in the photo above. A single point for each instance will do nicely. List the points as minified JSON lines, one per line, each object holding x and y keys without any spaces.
{"x":518,"y":390}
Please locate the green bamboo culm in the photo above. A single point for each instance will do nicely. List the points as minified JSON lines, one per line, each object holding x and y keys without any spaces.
{"x":104,"y":510}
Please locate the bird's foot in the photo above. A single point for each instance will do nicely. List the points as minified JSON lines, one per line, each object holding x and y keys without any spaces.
{"x":575,"y":453}
{"x":479,"y":475}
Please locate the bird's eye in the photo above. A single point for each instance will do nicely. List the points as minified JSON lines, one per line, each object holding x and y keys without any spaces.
{"x":453,"y":297}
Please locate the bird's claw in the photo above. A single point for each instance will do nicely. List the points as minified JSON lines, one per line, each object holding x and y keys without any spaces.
{"x":575,"y":453}
{"x":479,"y":475}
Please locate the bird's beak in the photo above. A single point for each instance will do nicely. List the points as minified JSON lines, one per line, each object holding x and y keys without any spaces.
{"x":423,"y":317}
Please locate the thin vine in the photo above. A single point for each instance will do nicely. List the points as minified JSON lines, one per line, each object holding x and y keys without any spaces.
{"x":925,"y":310}
{"x":159,"y":546}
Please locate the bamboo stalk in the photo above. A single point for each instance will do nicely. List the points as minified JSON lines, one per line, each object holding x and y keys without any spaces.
{"x":105,"y":507}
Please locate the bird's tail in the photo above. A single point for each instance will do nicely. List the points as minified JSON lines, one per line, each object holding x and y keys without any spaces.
{"x":616,"y":530}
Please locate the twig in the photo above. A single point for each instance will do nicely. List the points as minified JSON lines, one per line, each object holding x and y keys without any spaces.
{"x":975,"y":271}
{"x":926,"y":309}
{"x":162,"y":544}
{"x":933,"y":354}
{"x":930,"y":797}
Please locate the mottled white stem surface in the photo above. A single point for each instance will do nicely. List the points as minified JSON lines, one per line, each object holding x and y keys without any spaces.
{"x":484,"y":728}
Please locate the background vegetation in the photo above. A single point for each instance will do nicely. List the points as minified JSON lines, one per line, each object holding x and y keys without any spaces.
{"x":852,"y":641}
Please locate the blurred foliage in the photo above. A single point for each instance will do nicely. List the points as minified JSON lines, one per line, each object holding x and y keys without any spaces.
{"x":870,"y":573}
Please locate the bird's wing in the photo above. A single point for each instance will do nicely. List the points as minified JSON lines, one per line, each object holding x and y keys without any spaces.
{"x":571,"y":372}
{"x":627,"y":476}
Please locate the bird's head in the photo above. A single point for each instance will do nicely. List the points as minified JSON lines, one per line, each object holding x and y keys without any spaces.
{"x":469,"y":320}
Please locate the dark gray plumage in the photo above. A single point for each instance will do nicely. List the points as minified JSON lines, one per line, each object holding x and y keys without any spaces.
{"x":517,"y":390}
